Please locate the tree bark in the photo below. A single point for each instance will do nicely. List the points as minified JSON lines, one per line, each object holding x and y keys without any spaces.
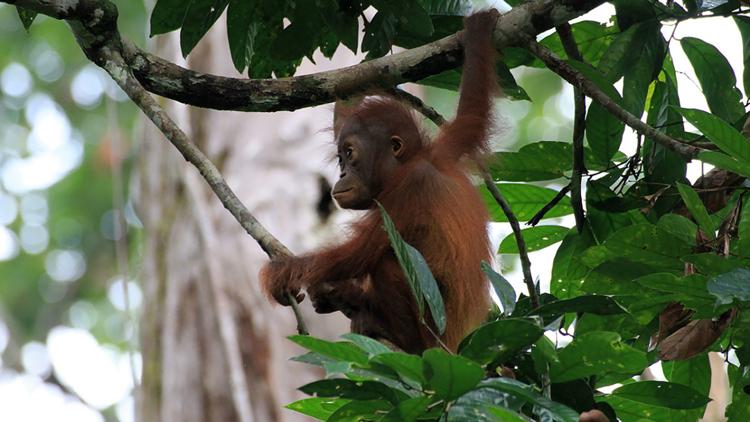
{"x":213,"y":347}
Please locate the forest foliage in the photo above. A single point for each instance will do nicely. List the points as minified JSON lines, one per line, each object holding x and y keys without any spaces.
{"x":658,"y":272}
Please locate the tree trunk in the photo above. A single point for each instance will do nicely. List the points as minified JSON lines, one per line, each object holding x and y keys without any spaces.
{"x":213,"y":348}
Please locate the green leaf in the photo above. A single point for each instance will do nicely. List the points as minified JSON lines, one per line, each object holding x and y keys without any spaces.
{"x":567,"y":269}
{"x":379,"y":34}
{"x":360,"y":410}
{"x":413,"y":16}
{"x":239,"y":16}
{"x":167,"y":16}
{"x":371,"y":346}
{"x":497,"y":341}
{"x":486,"y":405}
{"x":642,"y":244}
{"x":697,"y":209}
{"x":533,"y":162}
{"x":451,"y":80}
{"x":694,"y":373}
{"x":678,"y":226}
{"x":660,"y":393}
{"x":405,"y":365}
{"x":629,"y":410}
{"x":593,"y":304}
{"x":592,"y":39}
{"x":408,"y":410}
{"x":342,"y":351}
{"x":536,"y":238}
{"x":725,"y":162}
{"x":543,"y":407}
{"x":525,"y":200}
{"x":354,"y":390}
{"x":317,"y":407}
{"x":645,"y":68}
{"x":503,"y":289}
{"x":743,"y":24}
{"x":719,"y":132}
{"x":603,"y":132}
{"x":622,"y":53}
{"x":596,"y":353}
{"x":716,"y":78}
{"x":418,"y":273}
{"x":731,"y":286}
{"x":450,"y":376}
{"x":693,"y":285}
{"x":198,"y":19}
{"x":26,"y":16}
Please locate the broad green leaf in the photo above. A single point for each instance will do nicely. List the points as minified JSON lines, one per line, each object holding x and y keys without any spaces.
{"x":414,"y":16}
{"x":318,"y":407}
{"x":239,"y":16}
{"x":536,"y":238}
{"x":593,"y":304}
{"x":543,"y":407}
{"x":26,"y":16}
{"x":543,"y":353}
{"x":567,"y":269}
{"x":168,"y":16}
{"x":731,"y":286}
{"x":719,"y":132}
{"x":342,"y":351}
{"x":533,"y":162}
{"x":716,"y":78}
{"x":641,"y":244}
{"x":743,"y":24}
{"x":497,"y":341}
{"x":596,"y":353}
{"x":663,"y":166}
{"x":451,"y":80}
{"x":629,"y":410}
{"x":199,"y":17}
{"x":697,"y":209}
{"x":360,"y":410}
{"x":678,"y":226}
{"x":621,"y":53}
{"x":692,"y":285}
{"x":371,"y":346}
{"x":405,"y":365}
{"x":660,"y":393}
{"x":694,"y":373}
{"x":354,"y":390}
{"x":712,"y":264}
{"x":418,"y":273}
{"x":450,"y":376}
{"x":644,"y":69}
{"x":592,"y":39}
{"x":603,"y":132}
{"x":595,"y":76}
{"x":447,"y":7}
{"x":526,"y":201}
{"x":503,"y":289}
{"x":486,"y":405}
{"x":408,"y":410}
{"x":725,"y":162}
{"x":379,"y":34}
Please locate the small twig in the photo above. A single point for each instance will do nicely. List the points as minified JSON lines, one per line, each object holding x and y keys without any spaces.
{"x":548,"y":206}
{"x":513,"y":220}
{"x":418,"y":105}
{"x":579,"y":126}
{"x":114,"y":64}
{"x":577,"y":79}
{"x":437,"y":337}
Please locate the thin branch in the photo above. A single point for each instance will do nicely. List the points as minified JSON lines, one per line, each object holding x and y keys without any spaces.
{"x":579,"y":126}
{"x":115,"y":65}
{"x":418,"y":105}
{"x":577,"y":79}
{"x":548,"y":206}
{"x":513,"y":220}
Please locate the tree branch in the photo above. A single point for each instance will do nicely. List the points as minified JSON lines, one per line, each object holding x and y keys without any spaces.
{"x":577,"y":79}
{"x":222,"y":93}
{"x":579,"y":126}
{"x":115,"y":65}
{"x":419,"y":105}
{"x":513,"y":220}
